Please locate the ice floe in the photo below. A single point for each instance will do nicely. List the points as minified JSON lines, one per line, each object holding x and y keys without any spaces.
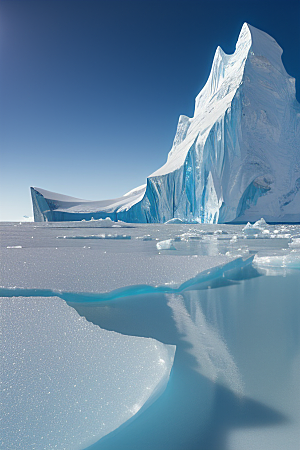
{"x":166,"y":245}
{"x":66,"y":382}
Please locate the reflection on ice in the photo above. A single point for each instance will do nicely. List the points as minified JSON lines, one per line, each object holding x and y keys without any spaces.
{"x":289,"y":260}
{"x":166,"y":245}
{"x":209,"y":350}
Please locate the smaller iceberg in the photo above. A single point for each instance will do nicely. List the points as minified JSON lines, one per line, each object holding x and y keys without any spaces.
{"x":166,"y":245}
{"x":259,"y":227}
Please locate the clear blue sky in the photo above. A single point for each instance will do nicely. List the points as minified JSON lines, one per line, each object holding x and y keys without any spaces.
{"x":91,"y":90}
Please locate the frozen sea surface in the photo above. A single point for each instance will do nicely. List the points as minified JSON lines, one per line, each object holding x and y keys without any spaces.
{"x":226,"y":297}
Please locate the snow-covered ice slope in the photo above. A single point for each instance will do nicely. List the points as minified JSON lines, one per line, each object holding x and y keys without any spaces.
{"x":237,"y":159}
{"x":66,"y":383}
{"x":50,"y":206}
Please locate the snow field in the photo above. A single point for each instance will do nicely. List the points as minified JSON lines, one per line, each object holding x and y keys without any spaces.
{"x":66,"y":382}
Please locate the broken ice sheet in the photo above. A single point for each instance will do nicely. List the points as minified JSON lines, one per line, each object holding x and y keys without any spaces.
{"x":66,"y":382}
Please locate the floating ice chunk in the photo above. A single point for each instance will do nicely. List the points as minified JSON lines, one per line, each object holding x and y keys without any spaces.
{"x":260,"y":223}
{"x":239,"y":252}
{"x":257,"y":228}
{"x":217,"y":232}
{"x":165,"y":245}
{"x":66,"y":382}
{"x":295,"y":242}
{"x":250,"y":229}
{"x":290,"y":261}
{"x":104,"y":222}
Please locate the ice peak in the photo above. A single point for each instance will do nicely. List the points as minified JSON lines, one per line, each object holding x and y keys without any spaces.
{"x":262,"y":45}
{"x":245,"y":35}
{"x":236,"y":159}
{"x":226,"y":72}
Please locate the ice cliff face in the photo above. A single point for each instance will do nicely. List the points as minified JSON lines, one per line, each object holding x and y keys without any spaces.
{"x":237,"y":159}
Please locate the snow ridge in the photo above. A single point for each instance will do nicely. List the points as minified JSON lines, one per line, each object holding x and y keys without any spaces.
{"x":236,"y":160}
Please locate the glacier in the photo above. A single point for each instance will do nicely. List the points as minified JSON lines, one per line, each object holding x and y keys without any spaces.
{"x":236,"y":160}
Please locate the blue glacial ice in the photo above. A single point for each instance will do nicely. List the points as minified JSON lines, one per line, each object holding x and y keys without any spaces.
{"x":236,"y":160}
{"x":166,"y":245}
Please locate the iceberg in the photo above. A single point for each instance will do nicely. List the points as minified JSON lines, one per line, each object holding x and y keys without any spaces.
{"x":257,"y":228}
{"x":236,"y":160}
